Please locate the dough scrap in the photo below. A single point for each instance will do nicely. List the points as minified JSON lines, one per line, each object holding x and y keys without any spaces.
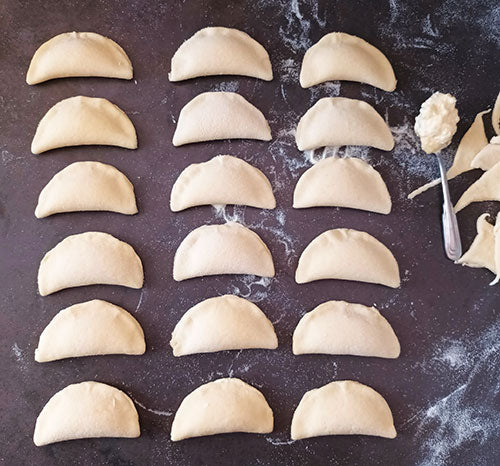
{"x":222,"y":180}
{"x":215,"y":51}
{"x":91,"y":328}
{"x":222,"y":323}
{"x":86,"y":410}
{"x":342,"y":182}
{"x":343,"y":57}
{"x":230,"y":248}
{"x":347,"y":254}
{"x":212,"y":116}
{"x":89,"y":258}
{"x":480,"y":254}
{"x":488,"y":156}
{"x":338,"y":327}
{"x":342,"y":408}
{"x":87,"y":186}
{"x":80,"y":121}
{"x":339,"y":121}
{"x":79,"y":54}
{"x":486,"y":188}
{"x":223,"y":406}
{"x":496,"y":230}
{"x":495,"y":115}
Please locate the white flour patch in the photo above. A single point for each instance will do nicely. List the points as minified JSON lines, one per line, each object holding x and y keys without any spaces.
{"x":246,"y":290}
{"x":154,"y":411}
{"x":279,"y":442}
{"x":288,"y":71}
{"x":19,"y":356}
{"x":226,"y":86}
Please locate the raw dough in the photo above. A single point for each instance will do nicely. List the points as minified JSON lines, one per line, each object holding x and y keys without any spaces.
{"x":480,"y":254}
{"x":80,"y":121}
{"x":340,"y":56}
{"x":488,"y":156}
{"x":84,"y":186}
{"x":486,"y":188}
{"x":86,"y":410}
{"x":222,"y":249}
{"x":216,"y":51}
{"x":91,"y":328}
{"x":222,"y":323}
{"x":339,"y":121}
{"x":347,"y":254}
{"x":222,"y":406}
{"x":348,"y":182}
{"x":222,"y":180}
{"x":496,"y":230}
{"x":89,"y":258}
{"x":337,"y":327}
{"x":79,"y":54}
{"x":495,"y":116}
{"x":342,"y":408}
{"x":220,"y":115}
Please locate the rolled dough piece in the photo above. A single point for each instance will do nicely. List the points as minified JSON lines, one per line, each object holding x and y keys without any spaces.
{"x":488,"y":156}
{"x":495,"y":115}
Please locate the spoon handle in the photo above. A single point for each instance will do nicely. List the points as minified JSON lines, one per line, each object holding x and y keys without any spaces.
{"x":451,"y":233}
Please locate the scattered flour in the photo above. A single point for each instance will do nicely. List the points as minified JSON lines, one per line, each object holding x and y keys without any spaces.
{"x":154,"y":411}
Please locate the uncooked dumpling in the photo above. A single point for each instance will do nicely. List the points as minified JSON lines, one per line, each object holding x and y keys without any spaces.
{"x":216,"y":51}
{"x":339,"y":121}
{"x":91,"y":328}
{"x":488,"y":156}
{"x":86,"y":186}
{"x":79,"y":54}
{"x":80,"y":121}
{"x":338,"y":327}
{"x":340,"y":56}
{"x":222,"y":323}
{"x":480,"y":254}
{"x":222,"y":249}
{"x":486,"y":188}
{"x":222,"y":406}
{"x":348,"y":182}
{"x":220,"y":115}
{"x":222,"y":180}
{"x":86,"y":410}
{"x":495,"y":115}
{"x":496,"y":230}
{"x":89,"y":258}
{"x":342,"y":408}
{"x":347,"y":254}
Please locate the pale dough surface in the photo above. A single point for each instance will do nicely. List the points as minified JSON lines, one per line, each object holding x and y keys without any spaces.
{"x":222,"y":180}
{"x":342,"y":182}
{"x":222,"y":323}
{"x":91,"y":328}
{"x":87,"y":186}
{"x":339,"y":121}
{"x":338,"y":327}
{"x":79,"y":54}
{"x":89,"y":258}
{"x":220,"y":115}
{"x":496,"y":230}
{"x":495,"y":115}
{"x":342,"y":408}
{"x":86,"y":410}
{"x":230,"y":248}
{"x":488,"y":156}
{"x":216,"y":51}
{"x":222,"y":406}
{"x":343,"y":57}
{"x":347,"y":254}
{"x":80,"y":121}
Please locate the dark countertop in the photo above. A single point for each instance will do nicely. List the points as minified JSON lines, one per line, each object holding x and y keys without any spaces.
{"x":443,"y":390}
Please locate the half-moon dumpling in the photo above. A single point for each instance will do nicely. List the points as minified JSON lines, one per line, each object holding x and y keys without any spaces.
{"x":339,"y":121}
{"x":82,"y":121}
{"x":338,"y":327}
{"x":222,"y":323}
{"x":340,"y":56}
{"x":89,"y":258}
{"x":81,"y":54}
{"x":223,"y":406}
{"x":347,"y":254}
{"x":348,"y":182}
{"x":486,"y":188}
{"x":86,"y":410}
{"x":222,"y":249}
{"x":488,"y":156}
{"x":214,"y":51}
{"x":87,"y":186}
{"x":222,"y":180}
{"x":87,"y":329}
{"x":220,"y":115}
{"x":342,"y":408}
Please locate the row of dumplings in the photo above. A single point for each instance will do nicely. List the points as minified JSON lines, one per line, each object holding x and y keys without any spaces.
{"x":222,"y":406}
